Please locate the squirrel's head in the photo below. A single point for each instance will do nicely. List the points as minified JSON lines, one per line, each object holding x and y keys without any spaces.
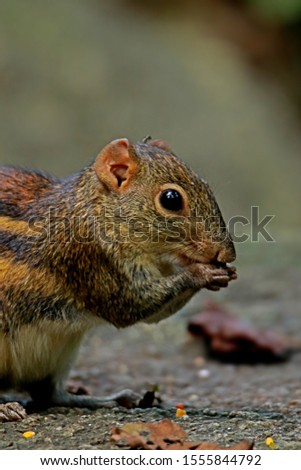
{"x":158,"y":208}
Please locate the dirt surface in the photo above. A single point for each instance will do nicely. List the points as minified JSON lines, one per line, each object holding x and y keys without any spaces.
{"x":225,"y":403}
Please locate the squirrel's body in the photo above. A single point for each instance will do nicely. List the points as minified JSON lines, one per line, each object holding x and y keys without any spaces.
{"x":99,"y":246}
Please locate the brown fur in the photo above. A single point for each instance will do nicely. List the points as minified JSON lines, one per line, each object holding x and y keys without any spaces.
{"x":97,"y":247}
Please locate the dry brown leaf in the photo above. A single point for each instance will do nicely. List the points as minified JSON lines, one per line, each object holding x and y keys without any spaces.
{"x":149,"y":435}
{"x":231,"y":339}
{"x":242,"y":445}
{"x":164,"y":435}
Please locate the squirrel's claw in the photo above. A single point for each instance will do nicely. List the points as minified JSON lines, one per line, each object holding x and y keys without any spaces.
{"x":12,"y":411}
{"x":214,"y":277}
{"x":126,"y":398}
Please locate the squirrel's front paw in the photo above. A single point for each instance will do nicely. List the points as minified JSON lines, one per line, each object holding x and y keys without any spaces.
{"x":231,"y":270}
{"x":214,"y":277}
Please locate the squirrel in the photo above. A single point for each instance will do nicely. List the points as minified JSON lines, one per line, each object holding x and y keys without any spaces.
{"x":130,"y":238}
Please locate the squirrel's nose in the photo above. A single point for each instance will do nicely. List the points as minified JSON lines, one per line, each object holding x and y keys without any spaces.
{"x":226,"y":254}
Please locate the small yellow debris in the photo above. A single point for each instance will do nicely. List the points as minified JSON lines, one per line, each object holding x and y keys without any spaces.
{"x":28,"y":434}
{"x":181,"y":412}
{"x":270,"y":443}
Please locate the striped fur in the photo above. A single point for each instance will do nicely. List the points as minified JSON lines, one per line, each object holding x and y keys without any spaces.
{"x":66,"y":263}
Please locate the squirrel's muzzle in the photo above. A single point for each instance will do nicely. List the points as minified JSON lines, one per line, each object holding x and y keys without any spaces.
{"x":226,"y":254}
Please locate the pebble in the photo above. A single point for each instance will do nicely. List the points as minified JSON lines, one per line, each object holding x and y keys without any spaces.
{"x":204,"y":373}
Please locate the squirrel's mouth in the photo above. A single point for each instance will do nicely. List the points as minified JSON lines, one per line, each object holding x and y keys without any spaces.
{"x":174,"y":264}
{"x":187,"y":261}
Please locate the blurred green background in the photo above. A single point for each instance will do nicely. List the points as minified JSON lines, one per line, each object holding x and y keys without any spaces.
{"x":219,"y":80}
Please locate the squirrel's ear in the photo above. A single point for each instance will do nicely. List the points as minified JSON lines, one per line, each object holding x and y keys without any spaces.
{"x":115,"y":166}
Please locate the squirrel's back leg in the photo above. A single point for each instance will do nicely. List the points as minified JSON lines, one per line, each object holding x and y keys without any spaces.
{"x":53,"y":397}
{"x":47,"y":393}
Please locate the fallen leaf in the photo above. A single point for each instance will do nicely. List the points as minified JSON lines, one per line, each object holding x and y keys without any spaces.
{"x":231,"y":339}
{"x":242,"y":445}
{"x":164,"y":435}
{"x":149,"y":435}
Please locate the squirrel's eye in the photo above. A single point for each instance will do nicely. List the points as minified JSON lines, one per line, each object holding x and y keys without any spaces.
{"x":171,"y":200}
